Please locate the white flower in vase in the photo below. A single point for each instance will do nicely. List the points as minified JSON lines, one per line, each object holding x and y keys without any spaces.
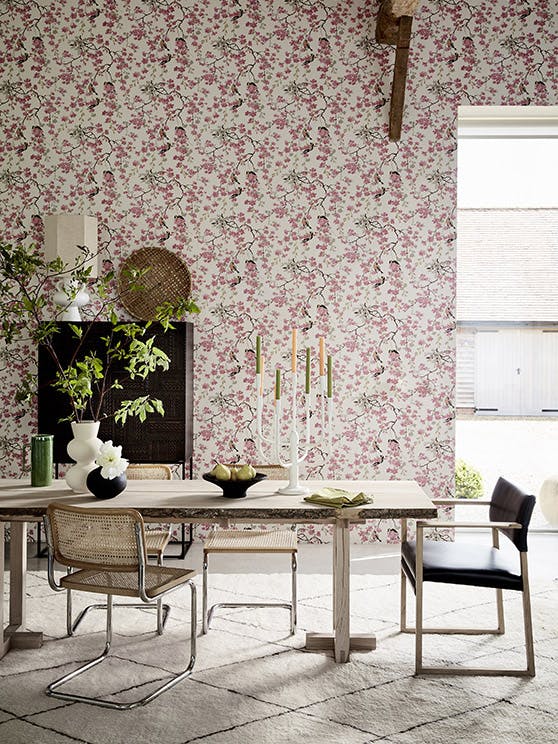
{"x":110,"y":460}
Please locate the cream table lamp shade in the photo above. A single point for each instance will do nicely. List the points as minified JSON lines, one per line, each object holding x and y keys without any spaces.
{"x":64,"y":233}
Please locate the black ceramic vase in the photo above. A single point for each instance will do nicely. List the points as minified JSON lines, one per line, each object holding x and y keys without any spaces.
{"x":105,"y":488}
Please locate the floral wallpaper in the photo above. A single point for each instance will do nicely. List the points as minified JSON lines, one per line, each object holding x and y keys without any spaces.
{"x":250,"y":137}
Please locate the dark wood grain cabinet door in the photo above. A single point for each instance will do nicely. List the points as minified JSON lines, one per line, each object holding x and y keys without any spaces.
{"x":166,"y":439}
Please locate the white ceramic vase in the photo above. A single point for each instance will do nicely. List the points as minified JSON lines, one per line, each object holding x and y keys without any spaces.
{"x":83,"y":448}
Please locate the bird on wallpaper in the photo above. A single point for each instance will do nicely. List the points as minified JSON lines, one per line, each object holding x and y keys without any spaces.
{"x":166,"y":58}
{"x":95,"y":189}
{"x":380,"y":368}
{"x":238,"y":188}
{"x":455,"y":56}
{"x":310,"y":146}
{"x":96,"y":100}
{"x":166,"y":234}
{"x":310,"y":234}
{"x":309,"y":57}
{"x":252,"y":88}
{"x":20,"y":149}
{"x":381,"y":191}
{"x":238,"y":13}
{"x":240,"y":101}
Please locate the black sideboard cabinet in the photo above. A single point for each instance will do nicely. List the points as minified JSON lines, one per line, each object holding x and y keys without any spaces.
{"x":161,"y":439}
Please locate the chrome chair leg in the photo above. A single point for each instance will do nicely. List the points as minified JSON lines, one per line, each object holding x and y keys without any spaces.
{"x":69,"y":625}
{"x":205,"y":625}
{"x":293,"y":594}
{"x":52,"y":689}
{"x":207,"y":616}
{"x":162,"y":615}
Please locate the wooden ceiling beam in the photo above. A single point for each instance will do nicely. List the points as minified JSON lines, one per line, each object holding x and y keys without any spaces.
{"x":394,"y":24}
{"x":399,"y":78}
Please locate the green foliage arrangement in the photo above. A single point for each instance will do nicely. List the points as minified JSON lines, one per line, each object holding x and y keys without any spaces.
{"x":468,"y":481}
{"x":24,"y":278}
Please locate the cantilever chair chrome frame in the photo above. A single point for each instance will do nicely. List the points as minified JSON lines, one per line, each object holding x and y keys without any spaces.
{"x":507,"y":501}
{"x":118,"y":567}
{"x":156,"y":540}
{"x":252,"y":541}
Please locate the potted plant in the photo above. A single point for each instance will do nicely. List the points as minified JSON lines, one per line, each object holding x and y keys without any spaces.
{"x":24,"y":278}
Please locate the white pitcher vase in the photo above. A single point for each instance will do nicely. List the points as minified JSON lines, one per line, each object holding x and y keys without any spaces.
{"x":83,"y":448}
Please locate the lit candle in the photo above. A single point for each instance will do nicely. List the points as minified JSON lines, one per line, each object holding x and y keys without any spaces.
{"x":293,"y":352}
{"x":307,"y":389}
{"x":329,"y":377}
{"x":258,"y":354}
{"x":322,"y":356}
{"x":277,"y":384}
{"x":262,"y":362}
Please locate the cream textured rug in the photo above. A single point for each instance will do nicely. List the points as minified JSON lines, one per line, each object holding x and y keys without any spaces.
{"x":255,"y":683}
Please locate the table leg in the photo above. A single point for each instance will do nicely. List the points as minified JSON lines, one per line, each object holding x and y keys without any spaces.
{"x":341,"y":642}
{"x":341,"y":590}
{"x":15,"y":635}
{"x":18,"y":573}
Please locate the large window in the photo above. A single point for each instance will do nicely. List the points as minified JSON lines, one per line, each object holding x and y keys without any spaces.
{"x":507,"y":295}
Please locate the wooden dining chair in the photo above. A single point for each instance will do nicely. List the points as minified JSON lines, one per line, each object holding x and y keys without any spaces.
{"x":105,"y":552}
{"x":253,"y":542}
{"x":472,"y":565}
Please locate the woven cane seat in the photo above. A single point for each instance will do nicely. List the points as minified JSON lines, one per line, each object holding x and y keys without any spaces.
{"x":156,"y":541}
{"x":251,"y":541}
{"x":158,"y":579}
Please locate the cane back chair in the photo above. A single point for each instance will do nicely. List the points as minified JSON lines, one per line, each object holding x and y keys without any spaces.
{"x":156,"y":540}
{"x":252,"y":541}
{"x":472,"y":565}
{"x":105,"y":550}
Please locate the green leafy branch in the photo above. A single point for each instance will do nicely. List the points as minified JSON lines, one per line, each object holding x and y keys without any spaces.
{"x":24,"y":277}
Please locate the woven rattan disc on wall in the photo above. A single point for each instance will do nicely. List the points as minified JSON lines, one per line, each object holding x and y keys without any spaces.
{"x":168,"y":280}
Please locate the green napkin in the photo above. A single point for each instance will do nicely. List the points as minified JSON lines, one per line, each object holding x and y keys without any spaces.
{"x":338,"y":498}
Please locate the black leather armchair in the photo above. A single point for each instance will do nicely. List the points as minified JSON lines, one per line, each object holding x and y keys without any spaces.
{"x":472,"y":565}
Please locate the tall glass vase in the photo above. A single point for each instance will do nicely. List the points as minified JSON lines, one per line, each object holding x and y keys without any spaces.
{"x":41,"y":459}
{"x":83,"y":448}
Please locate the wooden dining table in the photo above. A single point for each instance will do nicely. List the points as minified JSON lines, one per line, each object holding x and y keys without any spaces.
{"x":180,"y":501}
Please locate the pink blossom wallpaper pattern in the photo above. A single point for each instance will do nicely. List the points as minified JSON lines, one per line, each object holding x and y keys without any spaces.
{"x":250,"y":137}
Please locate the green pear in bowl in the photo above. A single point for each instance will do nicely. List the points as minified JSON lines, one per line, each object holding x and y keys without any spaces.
{"x":246,"y":472}
{"x":221,"y":472}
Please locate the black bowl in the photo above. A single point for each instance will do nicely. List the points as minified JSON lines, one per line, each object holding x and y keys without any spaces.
{"x":234,"y":489}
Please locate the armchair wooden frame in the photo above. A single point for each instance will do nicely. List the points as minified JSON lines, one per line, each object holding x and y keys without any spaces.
{"x":415,"y":575}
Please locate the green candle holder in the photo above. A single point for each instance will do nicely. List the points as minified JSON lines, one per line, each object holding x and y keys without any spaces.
{"x":41,"y":459}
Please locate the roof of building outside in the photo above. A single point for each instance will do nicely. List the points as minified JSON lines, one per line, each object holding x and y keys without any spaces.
{"x":507,"y":265}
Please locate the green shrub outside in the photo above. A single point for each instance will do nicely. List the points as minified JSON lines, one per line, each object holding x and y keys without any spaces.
{"x":468,"y":481}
